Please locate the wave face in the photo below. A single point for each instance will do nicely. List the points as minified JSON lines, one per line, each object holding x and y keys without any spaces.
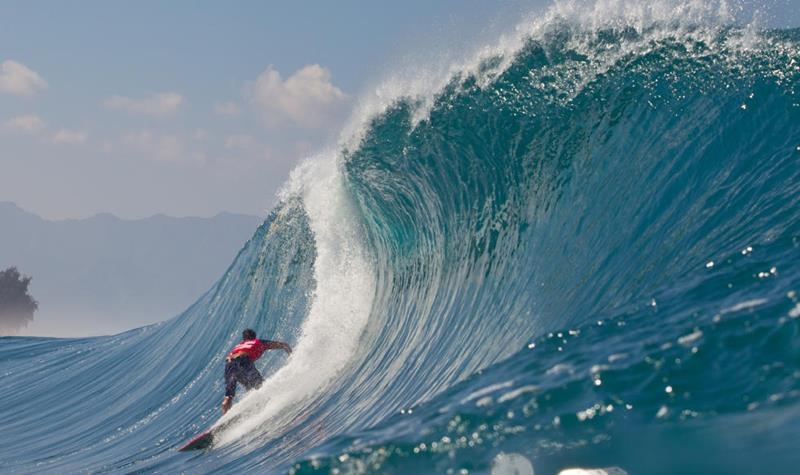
{"x":582,"y":250}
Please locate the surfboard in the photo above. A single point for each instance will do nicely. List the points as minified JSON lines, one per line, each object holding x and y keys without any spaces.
{"x":202,"y":441}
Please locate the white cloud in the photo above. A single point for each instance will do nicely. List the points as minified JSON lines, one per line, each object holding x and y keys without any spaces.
{"x":138,"y":138}
{"x":72,"y":137}
{"x":18,"y":79}
{"x":306,"y":98}
{"x":162,"y":147}
{"x":33,"y":124}
{"x":107,"y":146}
{"x":242,"y":142}
{"x":157,"y":105}
{"x":170,"y":148}
{"x":25,"y":123}
{"x":200,"y":135}
{"x":227,"y":108}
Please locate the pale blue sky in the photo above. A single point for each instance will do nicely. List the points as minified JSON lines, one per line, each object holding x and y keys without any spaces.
{"x":144,"y":107}
{"x":187,"y":107}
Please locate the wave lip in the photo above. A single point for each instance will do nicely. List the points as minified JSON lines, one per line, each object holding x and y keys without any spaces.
{"x":340,"y":304}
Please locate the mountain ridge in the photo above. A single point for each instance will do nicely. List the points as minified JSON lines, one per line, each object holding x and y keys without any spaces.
{"x":104,"y":274}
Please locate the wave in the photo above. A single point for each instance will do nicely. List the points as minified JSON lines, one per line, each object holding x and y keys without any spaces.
{"x":603,"y":189}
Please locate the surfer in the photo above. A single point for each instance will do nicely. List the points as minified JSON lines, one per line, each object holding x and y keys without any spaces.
{"x":240,"y":367}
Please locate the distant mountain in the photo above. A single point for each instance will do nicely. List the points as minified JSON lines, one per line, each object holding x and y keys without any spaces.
{"x":104,"y":274}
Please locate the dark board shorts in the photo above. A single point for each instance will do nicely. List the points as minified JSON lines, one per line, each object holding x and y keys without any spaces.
{"x":241,"y":370}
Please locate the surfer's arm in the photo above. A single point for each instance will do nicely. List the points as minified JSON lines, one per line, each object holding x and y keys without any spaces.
{"x":276,"y":345}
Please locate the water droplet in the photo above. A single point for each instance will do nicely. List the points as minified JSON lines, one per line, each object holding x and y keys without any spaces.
{"x":795,"y":312}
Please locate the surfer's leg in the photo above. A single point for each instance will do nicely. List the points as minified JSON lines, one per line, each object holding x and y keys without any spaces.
{"x":231,"y":375}
{"x":230,"y":385}
{"x":227,"y":402}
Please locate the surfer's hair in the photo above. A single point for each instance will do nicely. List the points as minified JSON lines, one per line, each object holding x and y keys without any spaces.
{"x":249,"y":334}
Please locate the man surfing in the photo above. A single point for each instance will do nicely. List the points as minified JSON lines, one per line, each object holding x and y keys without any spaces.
{"x":240,"y":367}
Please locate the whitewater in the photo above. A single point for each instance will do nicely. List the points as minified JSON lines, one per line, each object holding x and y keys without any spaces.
{"x":577,"y":246}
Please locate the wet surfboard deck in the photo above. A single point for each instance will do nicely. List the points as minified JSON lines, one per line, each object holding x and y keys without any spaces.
{"x":202,"y":441}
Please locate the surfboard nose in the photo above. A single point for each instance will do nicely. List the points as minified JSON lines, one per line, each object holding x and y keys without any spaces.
{"x":202,"y":441}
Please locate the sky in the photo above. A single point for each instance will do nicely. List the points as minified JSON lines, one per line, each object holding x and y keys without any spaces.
{"x":191,"y":108}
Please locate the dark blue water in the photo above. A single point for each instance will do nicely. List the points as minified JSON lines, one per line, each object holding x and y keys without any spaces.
{"x":582,"y":250}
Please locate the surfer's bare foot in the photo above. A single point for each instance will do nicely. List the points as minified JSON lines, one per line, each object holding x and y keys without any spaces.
{"x":226,"y":404}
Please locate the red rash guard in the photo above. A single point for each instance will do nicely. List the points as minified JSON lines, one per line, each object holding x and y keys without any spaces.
{"x":254,"y":348}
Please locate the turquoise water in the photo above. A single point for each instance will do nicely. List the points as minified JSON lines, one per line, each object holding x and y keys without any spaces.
{"x":582,"y":249}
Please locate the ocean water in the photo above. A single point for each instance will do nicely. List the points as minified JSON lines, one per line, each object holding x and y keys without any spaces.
{"x":581,"y":248}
